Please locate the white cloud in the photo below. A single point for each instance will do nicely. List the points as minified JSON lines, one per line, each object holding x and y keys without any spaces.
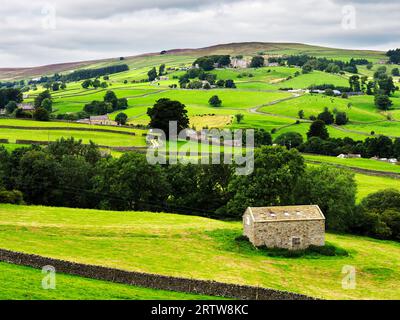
{"x":100,"y":29}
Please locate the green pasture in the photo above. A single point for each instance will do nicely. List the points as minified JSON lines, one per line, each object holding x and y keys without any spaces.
{"x":362,"y":109}
{"x":367,"y":164}
{"x":195,"y":247}
{"x":24,"y":283}
{"x":100,"y":138}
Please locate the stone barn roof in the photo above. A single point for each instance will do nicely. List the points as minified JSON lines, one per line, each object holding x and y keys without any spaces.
{"x":287,"y":213}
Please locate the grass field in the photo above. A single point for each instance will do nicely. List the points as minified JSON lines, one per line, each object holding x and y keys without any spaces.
{"x":23,"y":283}
{"x":100,"y":138}
{"x":361,"y":163}
{"x":369,"y":184}
{"x":196,"y":247}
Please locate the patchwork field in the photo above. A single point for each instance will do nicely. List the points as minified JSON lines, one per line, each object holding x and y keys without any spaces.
{"x":196,"y":247}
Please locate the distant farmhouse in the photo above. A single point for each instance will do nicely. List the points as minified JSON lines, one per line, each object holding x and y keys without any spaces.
{"x":239,"y":63}
{"x":98,"y":120}
{"x":292,"y":227}
{"x":26,"y":107}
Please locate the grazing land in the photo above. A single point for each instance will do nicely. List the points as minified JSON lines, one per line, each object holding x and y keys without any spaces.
{"x":195,"y":247}
{"x":367,"y":164}
{"x":24,"y":283}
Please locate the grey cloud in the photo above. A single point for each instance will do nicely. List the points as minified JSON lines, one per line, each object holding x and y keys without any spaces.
{"x":100,"y":29}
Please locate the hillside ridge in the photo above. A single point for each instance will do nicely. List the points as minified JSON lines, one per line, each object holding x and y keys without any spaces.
{"x":10,"y":74}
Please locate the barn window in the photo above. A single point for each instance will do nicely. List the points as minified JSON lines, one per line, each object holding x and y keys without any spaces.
{"x":296,"y":241}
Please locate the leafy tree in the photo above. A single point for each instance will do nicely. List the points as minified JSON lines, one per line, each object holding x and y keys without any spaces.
{"x":37,"y":177}
{"x":394,"y":56}
{"x":276,"y":171}
{"x":199,"y":189}
{"x":257,"y":62}
{"x":96,"y":83}
{"x":121,"y":118}
{"x":220,"y":83}
{"x":104,"y":85}
{"x":379,"y":215}
{"x":262,"y":138}
{"x":386,"y":85}
{"x":341,"y":118}
{"x":71,"y":147}
{"x":130,"y":183}
{"x":111,"y":98}
{"x":11,"y":107}
{"x":47,"y":104}
{"x":215,"y":101}
{"x":308,"y":67}
{"x":396,"y":148}
{"x":152,"y":74}
{"x":334,"y":190}
{"x":55,"y":86}
{"x":239,"y":117}
{"x":380,"y":146}
{"x":161,"y":70}
{"x":86,"y":84}
{"x":40,"y":97}
{"x":332,"y":68}
{"x":383,"y":102}
{"x":74,"y":175}
{"x":395,"y":72}
{"x":41,"y":114}
{"x":166,"y":110}
{"x":318,"y":129}
{"x":63,"y":86}
{"x":10,"y":94}
{"x":289,"y":139}
{"x":122,"y":104}
{"x":301,"y":114}
{"x":354,"y":82}
{"x":98,"y":108}
{"x":326,"y":116}
{"x":230,"y":84}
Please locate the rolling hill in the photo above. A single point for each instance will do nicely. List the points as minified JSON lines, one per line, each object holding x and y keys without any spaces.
{"x":245,"y":48}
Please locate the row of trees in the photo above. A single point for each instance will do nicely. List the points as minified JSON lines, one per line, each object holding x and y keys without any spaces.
{"x":309,"y":63}
{"x":109,"y":104}
{"x":68,"y":173}
{"x":96,"y":83}
{"x":394,"y":56}
{"x":205,"y":80}
{"x":319,"y":142}
{"x":152,"y":74}
{"x":209,"y":63}
{"x":83,"y":74}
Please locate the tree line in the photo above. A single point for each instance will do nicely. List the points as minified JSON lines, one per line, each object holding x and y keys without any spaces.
{"x":83,"y":74}
{"x":68,"y":173}
{"x":310,"y":63}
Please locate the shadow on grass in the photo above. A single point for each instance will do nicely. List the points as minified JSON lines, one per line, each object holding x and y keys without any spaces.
{"x":234,"y":241}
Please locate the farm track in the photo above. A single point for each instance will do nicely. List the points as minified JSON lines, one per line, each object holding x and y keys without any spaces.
{"x":368,"y":172}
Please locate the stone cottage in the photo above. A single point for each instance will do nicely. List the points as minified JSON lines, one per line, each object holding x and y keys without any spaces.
{"x":291,"y":227}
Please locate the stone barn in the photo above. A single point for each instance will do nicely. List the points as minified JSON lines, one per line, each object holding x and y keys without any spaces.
{"x":292,"y":227}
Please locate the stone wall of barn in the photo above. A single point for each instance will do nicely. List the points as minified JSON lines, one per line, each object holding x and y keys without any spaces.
{"x":280,"y":234}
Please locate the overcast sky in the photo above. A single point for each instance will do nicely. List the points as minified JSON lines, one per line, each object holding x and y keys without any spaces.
{"x":36,"y":33}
